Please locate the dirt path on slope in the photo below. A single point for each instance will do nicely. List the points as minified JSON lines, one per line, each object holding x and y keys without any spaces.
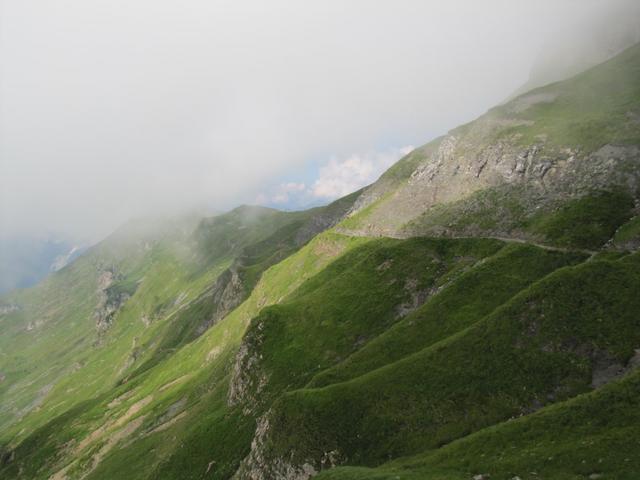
{"x":523,"y":241}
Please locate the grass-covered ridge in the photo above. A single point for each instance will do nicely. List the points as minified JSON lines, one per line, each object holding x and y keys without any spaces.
{"x":474,"y":312}
{"x":353,"y":300}
{"x":466,"y":296}
{"x":184,"y":394}
{"x":591,"y":109}
{"x":587,"y":222}
{"x":134,"y":300}
{"x":552,"y":341}
{"x":591,"y":436}
{"x":515,"y":358}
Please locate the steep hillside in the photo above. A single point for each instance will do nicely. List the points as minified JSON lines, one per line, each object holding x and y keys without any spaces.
{"x":472,"y":314}
{"x":503,"y":174}
{"x":546,"y":344}
{"x":182,"y":396}
{"x":132,"y":300}
{"x":592,"y":436}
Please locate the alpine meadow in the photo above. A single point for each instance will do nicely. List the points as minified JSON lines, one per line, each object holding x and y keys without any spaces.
{"x":472,"y":314}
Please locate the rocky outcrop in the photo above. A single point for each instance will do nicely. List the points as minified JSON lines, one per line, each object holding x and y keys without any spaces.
{"x":544,"y":148}
{"x":537,"y":176}
{"x":8,"y":308}
{"x":605,"y":368}
{"x":110,"y":300}
{"x":248,"y":379}
{"x":416,"y":297}
{"x":226,"y":294}
{"x":258,"y":466}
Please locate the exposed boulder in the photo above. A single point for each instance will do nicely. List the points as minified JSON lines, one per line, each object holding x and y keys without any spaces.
{"x":110,"y":300}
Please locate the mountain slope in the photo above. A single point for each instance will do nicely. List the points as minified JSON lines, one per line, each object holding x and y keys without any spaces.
{"x":480,"y":296}
{"x":502,"y":173}
{"x":132,"y":300}
{"x":562,"y":336}
{"x":591,"y":436}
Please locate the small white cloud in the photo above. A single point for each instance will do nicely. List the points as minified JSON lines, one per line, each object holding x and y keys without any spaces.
{"x":281,"y":193}
{"x":341,"y":177}
{"x":337,"y":178}
{"x":261,"y":199}
{"x":280,"y":198}
{"x":293,"y":187}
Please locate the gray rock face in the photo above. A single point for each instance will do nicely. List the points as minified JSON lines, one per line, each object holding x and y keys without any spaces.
{"x":257,"y":465}
{"x":463,"y":165}
{"x":247,"y":378}
{"x":109,"y":301}
{"x":226,"y":294}
{"x":605,"y":369}
{"x":7,"y":309}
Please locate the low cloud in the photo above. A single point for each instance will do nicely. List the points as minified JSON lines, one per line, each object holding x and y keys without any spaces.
{"x":112,"y":110}
{"x":282,"y":194}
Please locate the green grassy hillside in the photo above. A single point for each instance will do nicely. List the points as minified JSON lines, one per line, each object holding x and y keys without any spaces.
{"x":555,"y":339}
{"x":130,"y":302}
{"x":591,"y":436}
{"x":473,"y":314}
{"x":183,"y":395}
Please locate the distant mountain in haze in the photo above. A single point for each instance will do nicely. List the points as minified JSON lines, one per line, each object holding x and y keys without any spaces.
{"x":25,"y":260}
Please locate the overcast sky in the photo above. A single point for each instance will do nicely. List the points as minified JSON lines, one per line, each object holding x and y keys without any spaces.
{"x":111,"y":109}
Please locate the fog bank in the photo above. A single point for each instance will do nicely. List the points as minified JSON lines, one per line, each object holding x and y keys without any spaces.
{"x":114,"y":109}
